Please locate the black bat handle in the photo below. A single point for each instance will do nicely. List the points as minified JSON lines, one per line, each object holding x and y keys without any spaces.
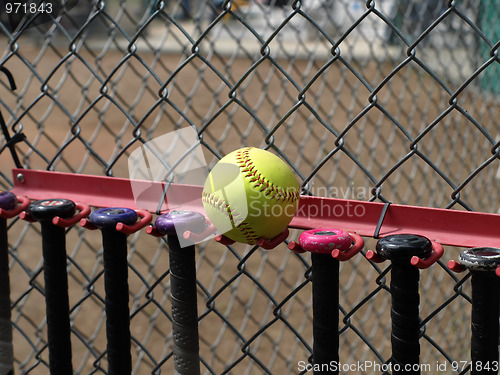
{"x":183,"y":287}
{"x":483,"y":262}
{"x":405,"y":318}
{"x":116,"y":286}
{"x":117,"y":302}
{"x":56,"y":281}
{"x":326,"y":246}
{"x":184,"y":307}
{"x":405,"y":299}
{"x":485,"y":325}
{"x":56,"y":298}
{"x":325,"y":280}
{"x":6,"y":348}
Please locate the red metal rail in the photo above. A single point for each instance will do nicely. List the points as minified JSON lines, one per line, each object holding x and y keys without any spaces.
{"x":448,"y":227}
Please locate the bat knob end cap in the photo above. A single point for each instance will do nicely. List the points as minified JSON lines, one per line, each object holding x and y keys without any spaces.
{"x":8,"y":200}
{"x":47,"y":209}
{"x":480,"y":258}
{"x":108,"y":218}
{"x":180,"y":221}
{"x":402,"y":247}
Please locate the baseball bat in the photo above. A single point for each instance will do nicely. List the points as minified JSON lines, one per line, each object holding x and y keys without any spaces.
{"x":8,"y":201}
{"x":484,"y":323}
{"x":482,"y":262}
{"x":183,"y":288}
{"x":402,"y":250}
{"x":56,"y":280}
{"x":326,"y":247}
{"x":116,"y":285}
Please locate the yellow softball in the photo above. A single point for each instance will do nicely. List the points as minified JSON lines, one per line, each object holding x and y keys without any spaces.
{"x":250,"y":193}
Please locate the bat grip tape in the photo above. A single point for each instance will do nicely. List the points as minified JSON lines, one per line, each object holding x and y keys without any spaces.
{"x":405,"y":317}
{"x":6,"y":349}
{"x":117,"y":302}
{"x":484,"y":322}
{"x":56,"y":298}
{"x":325,"y":285}
{"x":184,"y":308}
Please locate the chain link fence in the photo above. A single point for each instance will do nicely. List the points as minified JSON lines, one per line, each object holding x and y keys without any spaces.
{"x":386,"y":100}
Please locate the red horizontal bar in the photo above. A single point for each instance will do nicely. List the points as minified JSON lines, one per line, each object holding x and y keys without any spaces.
{"x":98,"y":191}
{"x":448,"y":227}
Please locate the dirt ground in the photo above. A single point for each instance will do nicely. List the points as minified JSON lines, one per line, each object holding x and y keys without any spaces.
{"x":263,"y":281}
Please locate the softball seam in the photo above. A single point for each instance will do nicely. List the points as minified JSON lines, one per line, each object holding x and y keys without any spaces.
{"x":265,"y":186}
{"x":224,"y":208}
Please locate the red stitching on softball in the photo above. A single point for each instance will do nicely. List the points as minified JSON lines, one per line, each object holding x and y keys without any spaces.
{"x":219,"y":203}
{"x":280,"y":194}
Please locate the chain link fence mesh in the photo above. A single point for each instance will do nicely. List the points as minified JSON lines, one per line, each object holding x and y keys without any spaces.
{"x":380,"y":100}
